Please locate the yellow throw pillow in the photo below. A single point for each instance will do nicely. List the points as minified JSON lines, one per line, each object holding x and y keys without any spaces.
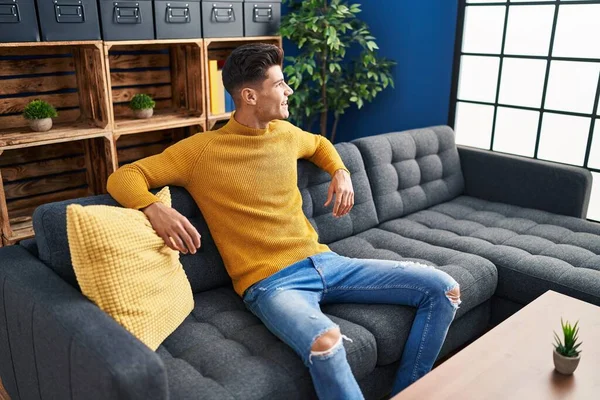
{"x":126,"y":269}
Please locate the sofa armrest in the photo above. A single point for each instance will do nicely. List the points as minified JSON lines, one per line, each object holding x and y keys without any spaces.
{"x":525,"y":182}
{"x":56,"y":344}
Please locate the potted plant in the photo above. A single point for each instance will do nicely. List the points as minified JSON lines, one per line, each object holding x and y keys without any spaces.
{"x":337,"y":65}
{"x":566,"y":354}
{"x":39,"y":114}
{"x":142,"y":105}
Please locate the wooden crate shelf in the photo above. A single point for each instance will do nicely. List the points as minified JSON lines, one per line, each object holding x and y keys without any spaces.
{"x":31,"y":176}
{"x":162,"y":119}
{"x":16,"y":138}
{"x":68,"y":75}
{"x":213,"y":119}
{"x":170,"y":71}
{"x":153,"y":42}
{"x":52,"y":44}
{"x":131,"y":148}
{"x":71,"y":77}
{"x":22,"y":228}
{"x":91,"y":83}
{"x":219,"y":49}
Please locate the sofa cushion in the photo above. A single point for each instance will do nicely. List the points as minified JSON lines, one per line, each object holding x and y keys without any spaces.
{"x":314,"y":184}
{"x":223,"y":349}
{"x":534,"y":250}
{"x":204,"y":269}
{"x":476,"y":276}
{"x":128,"y":271}
{"x":411,"y":170}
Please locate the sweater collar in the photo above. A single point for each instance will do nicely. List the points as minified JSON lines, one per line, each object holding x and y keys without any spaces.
{"x":236,"y":128}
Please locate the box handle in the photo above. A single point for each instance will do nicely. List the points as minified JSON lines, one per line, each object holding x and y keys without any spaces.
{"x":9,"y":13}
{"x":178,"y":15}
{"x":223,"y":14}
{"x":263,"y":14}
{"x":69,"y":12}
{"x":127,"y":14}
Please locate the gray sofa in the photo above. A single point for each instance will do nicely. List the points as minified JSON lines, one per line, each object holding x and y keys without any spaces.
{"x":506,"y":228}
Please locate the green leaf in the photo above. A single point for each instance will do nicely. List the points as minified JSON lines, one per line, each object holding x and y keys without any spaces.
{"x":372,"y":45}
{"x":39,"y":109}
{"x":323,"y":35}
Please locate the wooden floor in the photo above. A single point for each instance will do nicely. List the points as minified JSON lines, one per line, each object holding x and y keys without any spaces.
{"x":3,"y":394}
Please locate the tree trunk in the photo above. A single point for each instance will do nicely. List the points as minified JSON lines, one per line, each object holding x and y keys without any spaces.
{"x":324,"y":96}
{"x":324,"y":86}
{"x":335,"y":125}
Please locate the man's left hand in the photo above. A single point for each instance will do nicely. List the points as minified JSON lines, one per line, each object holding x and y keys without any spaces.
{"x":341,"y":186}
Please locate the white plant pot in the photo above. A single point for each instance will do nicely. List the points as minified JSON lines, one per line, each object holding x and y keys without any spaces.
{"x":143,"y":114}
{"x":565,"y":365}
{"x":40,"y":125}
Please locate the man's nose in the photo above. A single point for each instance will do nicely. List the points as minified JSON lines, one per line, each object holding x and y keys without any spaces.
{"x":289,"y":90}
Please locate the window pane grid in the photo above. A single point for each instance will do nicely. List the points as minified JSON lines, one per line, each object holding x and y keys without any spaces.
{"x":542,"y":109}
{"x":576,"y":110}
{"x":499,"y":76}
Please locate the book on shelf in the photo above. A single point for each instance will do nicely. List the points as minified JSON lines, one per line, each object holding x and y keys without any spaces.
{"x":220,"y":100}
{"x":229,"y":105}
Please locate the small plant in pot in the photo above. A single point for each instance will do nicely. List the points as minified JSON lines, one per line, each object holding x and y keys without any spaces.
{"x":142,"y":105}
{"x":39,"y":114}
{"x":567,"y":353}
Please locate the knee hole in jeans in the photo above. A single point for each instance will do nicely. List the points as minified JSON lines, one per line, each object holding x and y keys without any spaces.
{"x":327,"y":341}
{"x":454,"y":296}
{"x":327,"y":344}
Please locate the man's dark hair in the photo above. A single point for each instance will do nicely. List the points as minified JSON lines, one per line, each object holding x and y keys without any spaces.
{"x":248,"y":65}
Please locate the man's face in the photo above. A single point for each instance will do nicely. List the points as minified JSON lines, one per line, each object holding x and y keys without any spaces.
{"x":272,"y":97}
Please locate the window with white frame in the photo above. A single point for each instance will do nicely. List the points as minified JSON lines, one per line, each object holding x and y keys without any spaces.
{"x":527,"y":81}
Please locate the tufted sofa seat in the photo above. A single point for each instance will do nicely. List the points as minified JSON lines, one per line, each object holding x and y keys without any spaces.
{"x":501,"y":225}
{"x":534,"y":250}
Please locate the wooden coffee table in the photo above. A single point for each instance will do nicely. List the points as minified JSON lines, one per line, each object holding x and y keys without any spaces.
{"x":514,"y":360}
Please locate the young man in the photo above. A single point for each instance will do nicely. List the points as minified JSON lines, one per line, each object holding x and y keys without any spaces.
{"x":243,"y":178}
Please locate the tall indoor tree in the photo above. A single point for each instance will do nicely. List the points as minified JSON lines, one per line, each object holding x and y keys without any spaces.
{"x":337,"y":63}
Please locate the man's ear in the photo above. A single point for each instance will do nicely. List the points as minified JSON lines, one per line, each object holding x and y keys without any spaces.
{"x":249,"y":96}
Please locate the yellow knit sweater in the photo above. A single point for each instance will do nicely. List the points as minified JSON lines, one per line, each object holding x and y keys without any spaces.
{"x":245,"y":182}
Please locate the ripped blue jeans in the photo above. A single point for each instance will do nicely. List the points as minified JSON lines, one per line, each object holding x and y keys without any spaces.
{"x":288,"y":303}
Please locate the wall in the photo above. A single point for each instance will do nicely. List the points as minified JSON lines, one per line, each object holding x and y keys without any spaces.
{"x":419,"y":35}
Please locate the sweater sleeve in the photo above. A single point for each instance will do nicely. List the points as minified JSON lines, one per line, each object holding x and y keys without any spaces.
{"x":318,"y":150}
{"x":130,"y":184}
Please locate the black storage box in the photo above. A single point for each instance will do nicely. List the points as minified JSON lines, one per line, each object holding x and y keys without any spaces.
{"x":177,"y":19}
{"x":127,"y":20}
{"x":222,"y":18}
{"x":18,"y":21}
{"x":262,"y":17}
{"x":69,"y":19}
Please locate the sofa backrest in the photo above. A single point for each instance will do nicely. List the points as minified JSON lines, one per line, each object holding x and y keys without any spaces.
{"x":205,"y":269}
{"x":411,"y":170}
{"x":314,"y":184}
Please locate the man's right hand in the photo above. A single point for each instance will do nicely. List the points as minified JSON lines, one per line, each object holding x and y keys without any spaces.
{"x":175,"y":229}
